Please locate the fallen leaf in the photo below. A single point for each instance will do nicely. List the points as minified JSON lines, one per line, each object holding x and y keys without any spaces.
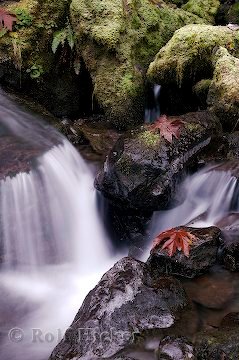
{"x":173,"y":240}
{"x":168,"y":128}
{"x":7,"y":19}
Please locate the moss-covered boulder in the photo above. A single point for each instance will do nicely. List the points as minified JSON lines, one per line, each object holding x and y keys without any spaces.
{"x":27,"y":62}
{"x":223,"y":96}
{"x":186,"y":60}
{"x":206,"y":9}
{"x":188,"y":56}
{"x":118,"y":40}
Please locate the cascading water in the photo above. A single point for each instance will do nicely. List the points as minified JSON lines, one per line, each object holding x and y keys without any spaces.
{"x":54,"y":246}
{"x":209,"y":195}
{"x":152,"y":106}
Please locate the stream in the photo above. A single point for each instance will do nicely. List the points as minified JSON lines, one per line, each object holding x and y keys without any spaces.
{"x":54,"y":245}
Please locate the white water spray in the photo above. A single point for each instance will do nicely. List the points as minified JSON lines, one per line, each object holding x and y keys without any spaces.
{"x":208,"y":198}
{"x":54,"y":246}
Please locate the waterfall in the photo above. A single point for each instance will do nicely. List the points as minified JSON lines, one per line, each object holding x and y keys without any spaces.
{"x":152,"y":106}
{"x":53,"y":245}
{"x":208,"y":197}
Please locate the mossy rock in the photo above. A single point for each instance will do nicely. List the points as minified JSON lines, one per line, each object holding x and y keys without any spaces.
{"x":201,"y":91}
{"x":118,"y":40}
{"x":27,"y":62}
{"x":30,"y":46}
{"x":223,"y":96}
{"x":206,"y":9}
{"x":187,"y":57}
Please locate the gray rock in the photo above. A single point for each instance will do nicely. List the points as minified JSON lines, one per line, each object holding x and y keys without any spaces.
{"x":203,"y":255}
{"x":175,"y":349}
{"x":124,"y":305}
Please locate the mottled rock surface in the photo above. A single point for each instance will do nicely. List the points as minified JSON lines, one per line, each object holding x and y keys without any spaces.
{"x":124,"y":305}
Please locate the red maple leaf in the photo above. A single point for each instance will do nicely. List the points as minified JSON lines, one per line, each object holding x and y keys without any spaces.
{"x":7,"y":19}
{"x":168,"y":128}
{"x":175,"y":239}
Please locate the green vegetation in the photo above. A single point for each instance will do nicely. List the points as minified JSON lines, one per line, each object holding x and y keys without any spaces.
{"x":63,"y":37}
{"x":23,"y":18}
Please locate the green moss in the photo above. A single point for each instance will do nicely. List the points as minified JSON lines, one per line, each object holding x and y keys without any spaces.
{"x":223,"y":96}
{"x":193,"y":127}
{"x":33,"y":36}
{"x":233,"y":13}
{"x":118,"y":40}
{"x":149,"y":138}
{"x":206,"y":9}
{"x":188,"y":55}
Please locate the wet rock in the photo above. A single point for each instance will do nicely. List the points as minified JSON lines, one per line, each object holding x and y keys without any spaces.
{"x":143,"y":168}
{"x":175,"y":349}
{"x":230,"y":246}
{"x":218,"y":344}
{"x":233,"y":143}
{"x":124,"y":305}
{"x":203,"y":255}
{"x":212,"y":291}
{"x":230,"y":321}
{"x":99,"y":135}
{"x":16,"y":156}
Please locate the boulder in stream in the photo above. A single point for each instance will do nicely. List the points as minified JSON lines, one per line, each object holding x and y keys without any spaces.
{"x":125,"y":305}
{"x":203,"y":255}
{"x":143,"y":168}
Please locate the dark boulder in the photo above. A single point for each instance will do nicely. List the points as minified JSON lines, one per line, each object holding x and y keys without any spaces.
{"x":119,"y":310}
{"x":203,"y":255}
{"x":230,"y":246}
{"x":143,"y":168}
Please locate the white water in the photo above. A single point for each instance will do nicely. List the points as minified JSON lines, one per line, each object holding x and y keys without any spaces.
{"x":152,"y":109}
{"x":208,"y":197}
{"x":55,"y":247}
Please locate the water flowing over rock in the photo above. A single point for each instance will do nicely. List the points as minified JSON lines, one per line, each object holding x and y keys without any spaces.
{"x":126,"y":304}
{"x":49,"y":224}
{"x":143,"y":168}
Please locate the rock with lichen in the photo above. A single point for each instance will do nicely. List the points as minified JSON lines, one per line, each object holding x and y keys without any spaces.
{"x":110,"y":319}
{"x":223,"y":96}
{"x":118,"y":40}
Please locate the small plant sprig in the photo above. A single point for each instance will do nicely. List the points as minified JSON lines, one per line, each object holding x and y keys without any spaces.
{"x":63,"y":37}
